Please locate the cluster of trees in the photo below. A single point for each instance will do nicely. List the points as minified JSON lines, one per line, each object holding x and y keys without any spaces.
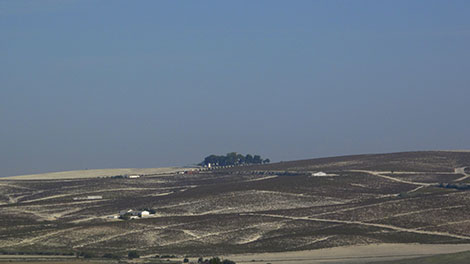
{"x":214,"y":260}
{"x":458,"y":186}
{"x":201,"y":260}
{"x":233,"y":158}
{"x":133,"y":254}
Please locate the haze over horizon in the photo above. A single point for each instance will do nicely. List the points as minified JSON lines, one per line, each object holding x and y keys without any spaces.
{"x":119,"y":84}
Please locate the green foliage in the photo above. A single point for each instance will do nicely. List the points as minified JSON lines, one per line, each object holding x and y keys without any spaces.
{"x":233,"y":158}
{"x":133,"y":254}
{"x":125,"y":216}
{"x":215,"y":260}
{"x":248,"y":159}
{"x":167,"y":256}
{"x":458,"y":186}
{"x":257,"y":159}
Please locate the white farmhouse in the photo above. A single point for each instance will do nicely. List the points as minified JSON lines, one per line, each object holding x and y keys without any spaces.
{"x":144,"y":213}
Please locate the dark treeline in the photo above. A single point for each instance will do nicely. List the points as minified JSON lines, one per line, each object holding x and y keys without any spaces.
{"x":458,"y":186}
{"x":233,"y":158}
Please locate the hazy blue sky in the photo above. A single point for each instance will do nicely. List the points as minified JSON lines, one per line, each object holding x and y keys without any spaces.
{"x":100,"y":84}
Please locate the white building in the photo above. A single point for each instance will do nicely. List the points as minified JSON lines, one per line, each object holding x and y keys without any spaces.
{"x":319,"y":174}
{"x":144,"y":213}
{"x":134,"y":176}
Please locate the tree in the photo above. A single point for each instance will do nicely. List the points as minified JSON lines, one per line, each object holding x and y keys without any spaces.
{"x":266,"y":161}
{"x":111,"y":256}
{"x":212,"y":159}
{"x":248,"y":159}
{"x":126,"y":216}
{"x":257,"y":159}
{"x":215,"y":260}
{"x":133,"y":254}
{"x":240,"y":158}
{"x":231,"y":158}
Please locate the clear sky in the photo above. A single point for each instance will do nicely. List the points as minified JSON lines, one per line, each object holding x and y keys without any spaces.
{"x":107,"y":84}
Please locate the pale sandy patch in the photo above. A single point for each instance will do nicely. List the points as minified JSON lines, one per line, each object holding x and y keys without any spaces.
{"x":360,"y":185}
{"x":263,"y":178}
{"x":457,"y":150}
{"x":77,"y":174}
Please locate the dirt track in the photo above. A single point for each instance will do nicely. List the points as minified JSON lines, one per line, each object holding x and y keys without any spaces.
{"x":462,"y":171}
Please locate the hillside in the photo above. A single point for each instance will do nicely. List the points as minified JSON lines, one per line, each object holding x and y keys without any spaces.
{"x":422,"y":161}
{"x":364,"y":199}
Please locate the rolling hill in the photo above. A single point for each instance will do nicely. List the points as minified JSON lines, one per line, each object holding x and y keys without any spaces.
{"x":278,"y":207}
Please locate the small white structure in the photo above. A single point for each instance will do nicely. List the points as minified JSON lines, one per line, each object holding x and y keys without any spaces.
{"x":319,"y":174}
{"x":134,"y":176}
{"x":144,"y":213}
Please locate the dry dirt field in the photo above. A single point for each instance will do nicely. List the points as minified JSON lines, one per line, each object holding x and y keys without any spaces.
{"x":351,"y":254}
{"x":80,"y":174}
{"x":279,"y":207}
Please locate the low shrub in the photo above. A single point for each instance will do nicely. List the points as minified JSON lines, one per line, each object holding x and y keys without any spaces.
{"x":133,"y":254}
{"x":111,"y":256}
